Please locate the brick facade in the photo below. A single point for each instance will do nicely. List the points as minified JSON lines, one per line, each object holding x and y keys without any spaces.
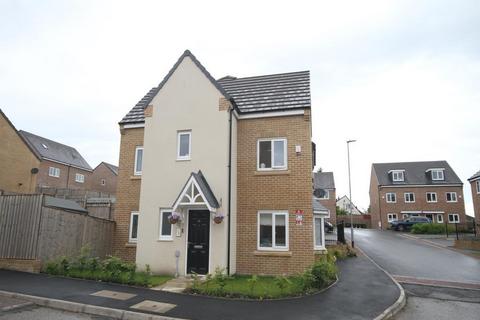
{"x":279,"y":190}
{"x":128,"y":192}
{"x":475,"y":199}
{"x":331,"y":205}
{"x":17,"y":160}
{"x":380,"y":208}
{"x":102,"y":171}
{"x":65,"y":180}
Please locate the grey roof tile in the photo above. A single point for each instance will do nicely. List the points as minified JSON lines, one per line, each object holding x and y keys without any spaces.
{"x":112,"y":167}
{"x":49,"y":149}
{"x":415,"y":173}
{"x":475,"y":176}
{"x":317,"y":206}
{"x":275,"y":92}
{"x":323,"y":180}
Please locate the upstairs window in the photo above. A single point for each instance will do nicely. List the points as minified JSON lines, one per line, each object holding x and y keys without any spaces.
{"x":133,"y":232}
{"x":431,"y":197}
{"x":138,"y":161}
{"x":398,"y":175}
{"x":451,"y":196}
{"x":54,"y":172}
{"x":80,"y":178}
{"x":103,"y":182}
{"x":391,"y":197}
{"x":409,"y":197}
{"x":184,"y":145}
{"x":321,"y":193}
{"x":478,"y":185}
{"x":437,"y":174}
{"x":272,"y":154}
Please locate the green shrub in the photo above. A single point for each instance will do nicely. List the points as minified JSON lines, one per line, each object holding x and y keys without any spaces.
{"x":323,"y":273}
{"x":430,"y":228}
{"x":252,"y":282}
{"x":282,"y":282}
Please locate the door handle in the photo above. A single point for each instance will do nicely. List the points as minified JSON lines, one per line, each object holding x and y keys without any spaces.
{"x":197,"y":246}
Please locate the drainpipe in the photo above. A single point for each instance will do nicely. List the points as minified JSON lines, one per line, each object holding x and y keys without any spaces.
{"x":380,"y":209}
{"x":229,"y":186}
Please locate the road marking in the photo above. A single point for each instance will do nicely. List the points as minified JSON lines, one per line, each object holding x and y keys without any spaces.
{"x":153,"y":306}
{"x":117,"y":295}
{"x":437,"y":283}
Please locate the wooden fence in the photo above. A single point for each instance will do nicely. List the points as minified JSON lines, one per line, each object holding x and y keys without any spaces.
{"x":29,"y":230}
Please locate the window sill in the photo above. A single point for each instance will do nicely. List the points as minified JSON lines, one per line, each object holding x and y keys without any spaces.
{"x":181,"y":160}
{"x":131,"y":245}
{"x":320,"y":251}
{"x":136,"y":177}
{"x":165,"y":240}
{"x":271,"y":172}
{"x":272,"y":253}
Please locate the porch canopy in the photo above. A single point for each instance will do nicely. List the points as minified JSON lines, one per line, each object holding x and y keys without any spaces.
{"x":196,"y":193}
{"x":318,"y":208}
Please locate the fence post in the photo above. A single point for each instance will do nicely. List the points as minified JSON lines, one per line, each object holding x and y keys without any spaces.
{"x":446,"y":227}
{"x":456,"y":229}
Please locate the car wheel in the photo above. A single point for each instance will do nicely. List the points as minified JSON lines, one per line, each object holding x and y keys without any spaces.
{"x":401,"y":228}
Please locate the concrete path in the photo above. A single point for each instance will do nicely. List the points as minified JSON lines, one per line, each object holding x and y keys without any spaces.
{"x":363,"y":292}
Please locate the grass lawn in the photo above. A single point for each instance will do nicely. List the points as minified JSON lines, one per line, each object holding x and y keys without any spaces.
{"x":139,"y":279}
{"x":155,"y":281}
{"x":239,"y":287}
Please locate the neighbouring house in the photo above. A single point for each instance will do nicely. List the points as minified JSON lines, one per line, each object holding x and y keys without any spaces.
{"x":430,"y":188}
{"x":475,"y":185}
{"x":324,"y":191}
{"x":218,"y":174}
{"x":19,"y":162}
{"x":104,"y":178}
{"x":344,"y":203}
{"x":61,"y":166}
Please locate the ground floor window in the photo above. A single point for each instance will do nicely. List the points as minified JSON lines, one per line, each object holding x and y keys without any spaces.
{"x":439,"y":218}
{"x":272,"y":230}
{"x":392,"y":217}
{"x":319,"y":232}
{"x":165,"y":225}
{"x":133,"y":233}
{"x":453,"y":218}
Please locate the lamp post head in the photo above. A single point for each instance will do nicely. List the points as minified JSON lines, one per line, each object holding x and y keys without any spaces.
{"x":349,"y":141}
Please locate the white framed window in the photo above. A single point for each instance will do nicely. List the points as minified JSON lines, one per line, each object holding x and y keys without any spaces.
{"x":137,"y":170}
{"x":391,"y":197}
{"x":392,"y":217}
{"x":165,"y":227}
{"x":103,"y":182}
{"x":272,"y":154}
{"x":184,"y":145}
{"x":133,"y":230}
{"x":439,"y":218}
{"x":321,"y":194}
{"x":409,"y":197}
{"x":478,"y":185}
{"x":398,"y":175}
{"x":319,"y":232}
{"x":272,"y":231}
{"x":80,"y":178}
{"x":437,"y":174}
{"x":54,"y":172}
{"x":451,"y":196}
{"x":453,"y":218}
{"x":405,"y":216}
{"x":431,"y":197}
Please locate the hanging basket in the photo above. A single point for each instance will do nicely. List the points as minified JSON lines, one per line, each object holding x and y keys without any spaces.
{"x":218,"y":219}
{"x":174,"y":218}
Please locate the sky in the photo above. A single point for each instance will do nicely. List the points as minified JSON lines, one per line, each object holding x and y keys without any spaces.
{"x":400,"y":77}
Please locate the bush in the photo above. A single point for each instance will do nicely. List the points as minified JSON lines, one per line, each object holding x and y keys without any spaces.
{"x":323,"y":272}
{"x":430,"y":228}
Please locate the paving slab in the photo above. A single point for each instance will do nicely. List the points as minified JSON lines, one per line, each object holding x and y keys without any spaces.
{"x":118,"y":295}
{"x":153,"y":306}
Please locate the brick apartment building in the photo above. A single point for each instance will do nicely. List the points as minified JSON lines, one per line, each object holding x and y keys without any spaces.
{"x":403,"y":189}
{"x":475,"y":186}
{"x":230,"y":162}
{"x":61,"y":166}
{"x":324,"y":191}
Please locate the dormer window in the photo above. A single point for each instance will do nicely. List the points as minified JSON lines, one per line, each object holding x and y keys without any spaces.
{"x":437,"y":174}
{"x":398,"y":175}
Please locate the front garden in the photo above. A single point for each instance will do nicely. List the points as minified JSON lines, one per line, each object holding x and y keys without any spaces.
{"x":111,"y":269}
{"x":320,"y":275}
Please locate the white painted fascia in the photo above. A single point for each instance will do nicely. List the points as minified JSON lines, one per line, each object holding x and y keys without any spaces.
{"x":270,"y":114}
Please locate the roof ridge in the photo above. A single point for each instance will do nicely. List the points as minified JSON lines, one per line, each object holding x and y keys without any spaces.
{"x":264,"y":75}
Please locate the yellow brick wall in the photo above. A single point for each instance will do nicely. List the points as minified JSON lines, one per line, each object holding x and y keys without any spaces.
{"x":128,"y":192}
{"x":289,"y":190}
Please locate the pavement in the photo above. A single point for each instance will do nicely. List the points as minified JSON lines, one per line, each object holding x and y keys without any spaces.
{"x":440,"y":283}
{"x":363,"y":291}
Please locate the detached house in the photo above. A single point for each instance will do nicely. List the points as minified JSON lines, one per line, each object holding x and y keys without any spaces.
{"x":218,"y":173}
{"x":104,"y":178}
{"x":431,"y":189}
{"x":475,"y":186}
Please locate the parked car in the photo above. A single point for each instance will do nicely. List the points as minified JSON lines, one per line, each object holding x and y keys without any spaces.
{"x":404,"y":225}
{"x":328,"y":227}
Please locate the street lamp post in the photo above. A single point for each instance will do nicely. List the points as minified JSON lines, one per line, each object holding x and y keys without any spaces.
{"x":350,"y":191}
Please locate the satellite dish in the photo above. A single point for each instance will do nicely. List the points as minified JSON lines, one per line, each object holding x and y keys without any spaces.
{"x":34,"y":170}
